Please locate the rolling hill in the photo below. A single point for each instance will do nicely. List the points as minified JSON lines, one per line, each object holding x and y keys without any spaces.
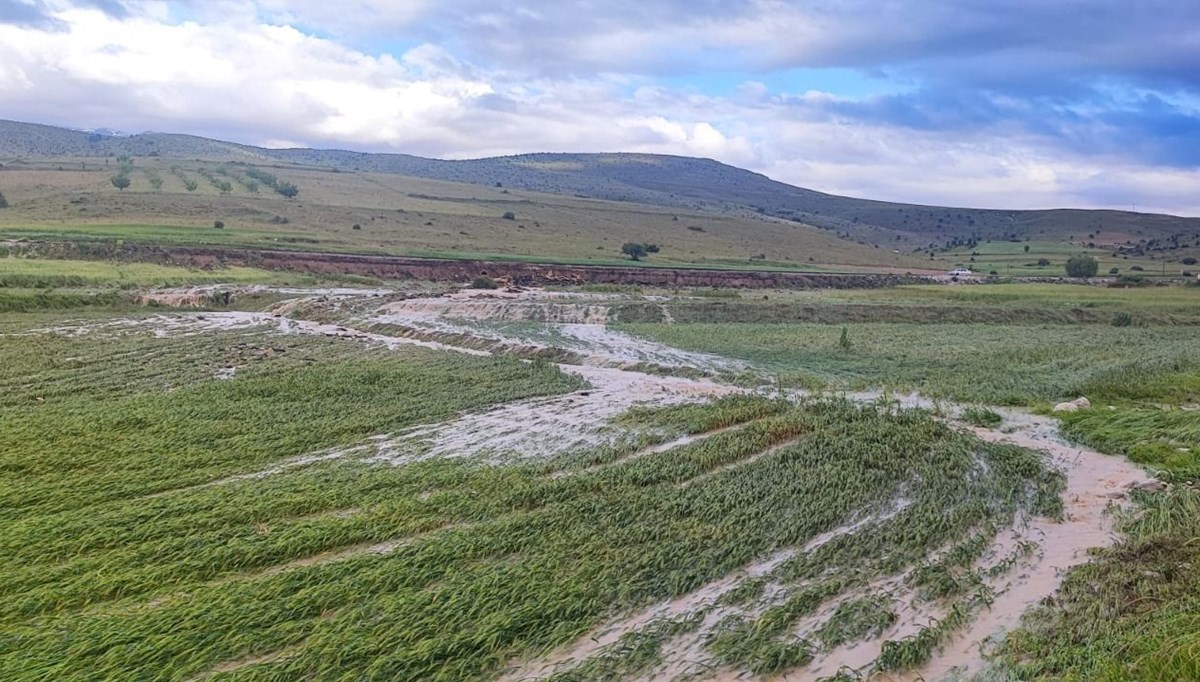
{"x":608,"y":184}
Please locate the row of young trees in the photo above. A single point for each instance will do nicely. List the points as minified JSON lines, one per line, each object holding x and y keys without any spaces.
{"x":121,"y":179}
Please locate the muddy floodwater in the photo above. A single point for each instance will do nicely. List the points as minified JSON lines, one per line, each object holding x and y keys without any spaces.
{"x":613,"y":364}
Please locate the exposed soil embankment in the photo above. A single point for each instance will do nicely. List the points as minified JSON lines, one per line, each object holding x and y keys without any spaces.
{"x":447,"y":270}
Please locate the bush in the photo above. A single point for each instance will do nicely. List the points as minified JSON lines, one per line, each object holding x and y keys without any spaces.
{"x":1043,"y":262}
{"x":280,"y":220}
{"x":982,"y":417}
{"x":1137,"y":268}
{"x":1189,"y":261}
{"x":287,"y":189}
{"x":356,"y":227}
{"x":219,"y":224}
{"x":1082,"y":266}
{"x":120,"y":181}
{"x":484,"y":282}
{"x":1113,"y":271}
{"x":1130,"y":281}
{"x":3,"y":201}
{"x":1122,"y":320}
{"x":509,"y":215}
{"x":262,"y":176}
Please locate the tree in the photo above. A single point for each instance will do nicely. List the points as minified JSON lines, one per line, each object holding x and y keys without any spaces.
{"x":287,"y":189}
{"x":638,"y":251}
{"x":1082,"y":266}
{"x":120,"y":181}
{"x":1026,"y":248}
{"x":3,"y":202}
{"x":635,"y":250}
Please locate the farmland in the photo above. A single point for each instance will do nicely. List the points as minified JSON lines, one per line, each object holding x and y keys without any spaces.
{"x":385,"y":213}
{"x":300,"y":479}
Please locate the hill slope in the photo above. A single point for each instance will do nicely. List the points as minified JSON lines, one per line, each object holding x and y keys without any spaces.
{"x":693,"y":184}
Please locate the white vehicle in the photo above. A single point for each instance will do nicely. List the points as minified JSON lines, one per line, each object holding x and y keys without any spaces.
{"x":961,"y":272}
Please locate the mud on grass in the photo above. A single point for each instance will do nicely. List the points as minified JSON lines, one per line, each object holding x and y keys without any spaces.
{"x":88,"y":420}
{"x":489,"y":564}
{"x":983,"y":364}
{"x":1131,"y":614}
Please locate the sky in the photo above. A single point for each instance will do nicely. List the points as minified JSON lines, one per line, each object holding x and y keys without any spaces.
{"x":1013,"y":104}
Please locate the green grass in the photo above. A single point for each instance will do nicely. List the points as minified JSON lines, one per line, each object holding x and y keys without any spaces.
{"x":1011,"y":259}
{"x":1133,"y":613}
{"x":978,"y":363}
{"x":1023,"y":295}
{"x":33,"y":273}
{"x":117,"y":560}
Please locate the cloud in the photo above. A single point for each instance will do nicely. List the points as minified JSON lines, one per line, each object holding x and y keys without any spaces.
{"x":1013,"y":108}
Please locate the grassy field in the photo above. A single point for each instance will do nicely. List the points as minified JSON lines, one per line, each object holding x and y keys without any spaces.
{"x":33,"y":285}
{"x":398,"y":215}
{"x":1133,"y":612}
{"x":988,"y":363}
{"x":34,"y":273}
{"x":243,"y":504}
{"x":1130,"y":614}
{"x":1010,"y":259}
{"x":129,"y":550}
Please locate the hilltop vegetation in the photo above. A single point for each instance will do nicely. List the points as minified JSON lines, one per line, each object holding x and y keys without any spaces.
{"x":698,"y":186}
{"x":288,"y":206}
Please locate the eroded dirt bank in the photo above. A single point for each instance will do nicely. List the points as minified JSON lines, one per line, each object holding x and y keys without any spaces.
{"x":462,"y":271}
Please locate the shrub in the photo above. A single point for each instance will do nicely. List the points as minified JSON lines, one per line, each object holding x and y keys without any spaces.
{"x":1189,"y":261}
{"x":634,"y":250}
{"x":1082,"y":266}
{"x":484,"y":282}
{"x":1122,"y":320}
{"x":1130,"y":281}
{"x":509,"y":215}
{"x":120,"y":181}
{"x":219,"y":224}
{"x":982,"y":417}
{"x":287,"y":189}
{"x":356,"y":227}
{"x":1113,"y":271}
{"x":280,"y":220}
{"x":1043,"y":262}
{"x":1138,"y":268}
{"x":3,"y":201}
{"x":262,"y":176}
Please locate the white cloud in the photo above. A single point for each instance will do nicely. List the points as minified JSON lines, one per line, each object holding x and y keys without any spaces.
{"x":244,"y":78}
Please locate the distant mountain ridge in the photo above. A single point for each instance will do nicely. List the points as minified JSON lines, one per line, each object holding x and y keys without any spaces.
{"x":684,"y":182}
